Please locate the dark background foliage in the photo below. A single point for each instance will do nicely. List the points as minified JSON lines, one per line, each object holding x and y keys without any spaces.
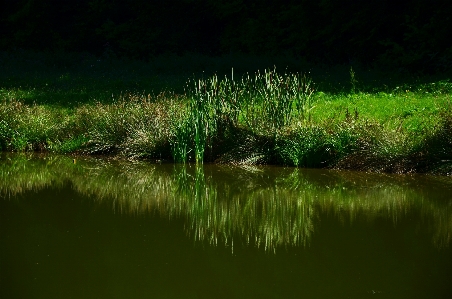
{"x":413,"y":35}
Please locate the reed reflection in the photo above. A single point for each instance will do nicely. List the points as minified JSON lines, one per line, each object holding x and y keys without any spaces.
{"x":268,"y":207}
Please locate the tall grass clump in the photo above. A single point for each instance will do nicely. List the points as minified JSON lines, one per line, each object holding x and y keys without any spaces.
{"x":305,"y":147}
{"x":31,"y":128}
{"x":197,"y":122}
{"x":319,"y":145}
{"x":260,"y":105}
{"x":136,"y":126}
{"x":273,"y":100}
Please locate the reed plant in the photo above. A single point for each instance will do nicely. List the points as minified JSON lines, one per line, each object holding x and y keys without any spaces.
{"x":181,"y":140}
{"x":261,"y":105}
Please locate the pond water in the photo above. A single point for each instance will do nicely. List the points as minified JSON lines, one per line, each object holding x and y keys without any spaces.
{"x":99,"y":228}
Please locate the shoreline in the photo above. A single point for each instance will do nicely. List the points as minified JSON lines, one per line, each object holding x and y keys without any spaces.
{"x":148,"y":131}
{"x":269,"y":117}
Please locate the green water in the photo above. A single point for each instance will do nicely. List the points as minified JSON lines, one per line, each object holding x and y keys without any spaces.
{"x":100,"y":228}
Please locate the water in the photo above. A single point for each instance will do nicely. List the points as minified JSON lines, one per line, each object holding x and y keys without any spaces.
{"x":101,"y":228}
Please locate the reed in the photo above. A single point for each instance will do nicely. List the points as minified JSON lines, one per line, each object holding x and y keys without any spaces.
{"x":265,"y":103}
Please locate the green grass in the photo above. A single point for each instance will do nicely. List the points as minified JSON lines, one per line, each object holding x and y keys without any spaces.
{"x":128,"y":109}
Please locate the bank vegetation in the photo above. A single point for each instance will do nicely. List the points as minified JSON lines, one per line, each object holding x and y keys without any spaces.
{"x":265,"y":117}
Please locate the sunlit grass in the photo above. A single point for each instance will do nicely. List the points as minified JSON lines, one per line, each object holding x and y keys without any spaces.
{"x":411,"y":109}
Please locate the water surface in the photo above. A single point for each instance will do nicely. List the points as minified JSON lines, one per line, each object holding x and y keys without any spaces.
{"x":100,"y":228}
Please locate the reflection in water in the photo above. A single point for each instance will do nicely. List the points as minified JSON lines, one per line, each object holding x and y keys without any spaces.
{"x":265,"y":206}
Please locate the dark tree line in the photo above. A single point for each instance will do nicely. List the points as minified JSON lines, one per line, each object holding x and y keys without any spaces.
{"x":410,"y":34}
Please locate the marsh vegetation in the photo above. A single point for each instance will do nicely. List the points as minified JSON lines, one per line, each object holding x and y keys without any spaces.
{"x":265,"y":117}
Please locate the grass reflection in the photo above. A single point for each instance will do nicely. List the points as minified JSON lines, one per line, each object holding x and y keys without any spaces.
{"x":263,"y":206}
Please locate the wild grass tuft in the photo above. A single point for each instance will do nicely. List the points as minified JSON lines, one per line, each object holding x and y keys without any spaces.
{"x":133,"y":127}
{"x":261,"y":105}
{"x":306,"y":147}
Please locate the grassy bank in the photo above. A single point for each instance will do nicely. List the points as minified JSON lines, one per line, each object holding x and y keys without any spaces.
{"x":266,"y":117}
